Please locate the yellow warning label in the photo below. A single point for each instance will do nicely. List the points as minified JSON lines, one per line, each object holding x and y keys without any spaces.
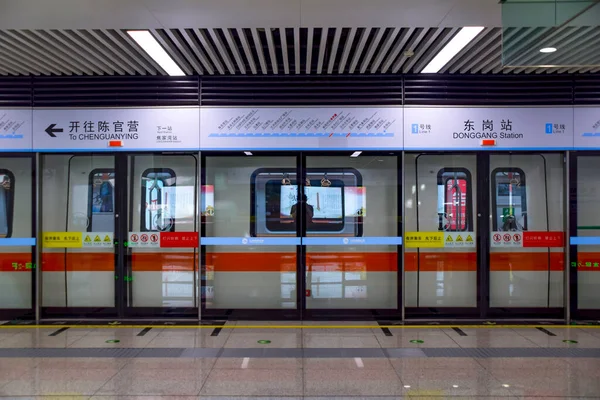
{"x":423,"y":240}
{"x":107,"y":239}
{"x":61,"y":240}
{"x":88,"y":239}
{"x":97,"y":239}
{"x":459,"y":238}
{"x":469,"y":238}
{"x":449,"y":239}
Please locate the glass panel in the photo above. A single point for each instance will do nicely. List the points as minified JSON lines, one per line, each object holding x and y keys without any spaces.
{"x":163,"y":231}
{"x":352,"y":232}
{"x":527,"y":240}
{"x":78,"y":262}
{"x":588,"y":231}
{"x":250,"y":232}
{"x":16,"y":267}
{"x":440,"y":253}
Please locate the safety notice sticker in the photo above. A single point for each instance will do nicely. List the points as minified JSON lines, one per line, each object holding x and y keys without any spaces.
{"x":424,"y":239}
{"x":98,"y":239}
{"x":459,"y":239}
{"x":144,"y":239}
{"x":527,"y":239}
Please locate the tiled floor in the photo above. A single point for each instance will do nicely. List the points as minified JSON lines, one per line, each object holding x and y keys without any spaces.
{"x":323,"y":364}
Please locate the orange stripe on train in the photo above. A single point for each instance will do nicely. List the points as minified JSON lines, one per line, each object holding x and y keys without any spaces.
{"x":286,"y":262}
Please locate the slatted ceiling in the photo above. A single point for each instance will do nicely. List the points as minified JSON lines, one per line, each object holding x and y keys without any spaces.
{"x":286,"y":51}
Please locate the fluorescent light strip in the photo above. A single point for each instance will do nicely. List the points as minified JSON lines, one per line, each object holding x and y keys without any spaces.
{"x":156,"y":51}
{"x":248,"y":153}
{"x":356,"y":154}
{"x":454,"y":46}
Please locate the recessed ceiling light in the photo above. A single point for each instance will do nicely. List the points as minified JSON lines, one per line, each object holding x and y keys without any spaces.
{"x":505,"y":385}
{"x":455,"y":386}
{"x":548,"y":50}
{"x":248,"y":153}
{"x":356,"y":154}
{"x":156,"y":51}
{"x":458,"y":42}
{"x":407,"y":386}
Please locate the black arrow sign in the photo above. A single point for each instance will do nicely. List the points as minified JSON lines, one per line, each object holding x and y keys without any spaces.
{"x":51,"y":130}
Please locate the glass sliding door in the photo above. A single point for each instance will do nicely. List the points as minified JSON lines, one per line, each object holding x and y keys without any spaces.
{"x":441,"y":235}
{"x":351,"y":235}
{"x":249,"y":236}
{"x":17,"y":268}
{"x":78,"y":220}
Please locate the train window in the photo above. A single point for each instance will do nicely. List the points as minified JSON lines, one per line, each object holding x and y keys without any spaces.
{"x":101,"y":200}
{"x":7,"y":197}
{"x":158,"y":198}
{"x":509,"y":200}
{"x":335,"y":201}
{"x":455,"y":208}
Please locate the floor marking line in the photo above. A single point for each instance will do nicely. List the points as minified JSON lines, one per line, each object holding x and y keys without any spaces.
{"x":359,"y":362}
{"x":58,"y":332}
{"x":245,"y":362}
{"x":144,"y":331}
{"x":546,"y":331}
{"x":459,"y":331}
{"x":387,"y":332}
{"x":216,"y":332}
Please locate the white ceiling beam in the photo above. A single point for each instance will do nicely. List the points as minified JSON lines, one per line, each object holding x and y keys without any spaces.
{"x":223,"y":50}
{"x":97,"y":59}
{"x":346,"y":51}
{"x":361,"y":46}
{"x":259,"y":50}
{"x":83,"y":56}
{"x":322,"y":47}
{"x":410,"y":46}
{"x":272,"y":55}
{"x":431,"y":52}
{"x":387,"y":43}
{"x":192,"y":40}
{"x":210,"y":50}
{"x":108,"y":58}
{"x":284,"y":51}
{"x":334,"y":49}
{"x":235,"y":51}
{"x":247,"y":50}
{"x":16,"y":63}
{"x":309,"y":49}
{"x":184,"y":50}
{"x":79,"y":67}
{"x":371,"y":50}
{"x":399,"y":46}
{"x":109,"y":45}
{"x":421,"y":51}
{"x":37,"y":47}
{"x":29,"y":56}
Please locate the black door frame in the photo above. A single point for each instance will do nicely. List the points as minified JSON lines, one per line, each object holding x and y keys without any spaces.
{"x":301,"y":312}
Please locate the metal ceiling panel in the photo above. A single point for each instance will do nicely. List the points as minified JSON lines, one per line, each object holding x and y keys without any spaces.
{"x":282,"y":50}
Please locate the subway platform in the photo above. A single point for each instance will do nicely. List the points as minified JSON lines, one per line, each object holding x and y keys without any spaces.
{"x":302,"y":360}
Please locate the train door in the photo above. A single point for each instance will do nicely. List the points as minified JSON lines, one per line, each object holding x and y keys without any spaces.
{"x":484,"y":235}
{"x":120,"y":235}
{"x":307,"y":235}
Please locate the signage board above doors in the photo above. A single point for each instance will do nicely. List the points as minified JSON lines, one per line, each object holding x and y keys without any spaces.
{"x":15,"y":129}
{"x":301,"y":128}
{"x":113,"y":129}
{"x":488,"y":128}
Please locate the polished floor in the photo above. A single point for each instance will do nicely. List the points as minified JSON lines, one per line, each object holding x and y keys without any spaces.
{"x":299,"y":360}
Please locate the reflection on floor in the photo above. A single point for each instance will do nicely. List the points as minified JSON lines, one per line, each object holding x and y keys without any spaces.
{"x":279,"y":360}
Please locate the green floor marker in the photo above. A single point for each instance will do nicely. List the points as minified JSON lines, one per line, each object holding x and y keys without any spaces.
{"x":570,"y":341}
{"x":264,"y":341}
{"x":417,"y":341}
{"x":113,"y":341}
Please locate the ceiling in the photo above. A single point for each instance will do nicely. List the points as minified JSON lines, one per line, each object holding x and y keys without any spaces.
{"x":266,"y":37}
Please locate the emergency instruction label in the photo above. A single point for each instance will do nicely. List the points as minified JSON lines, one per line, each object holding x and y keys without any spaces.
{"x":76,"y":240}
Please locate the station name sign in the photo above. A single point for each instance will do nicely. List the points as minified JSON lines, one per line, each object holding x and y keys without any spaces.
{"x":504,"y":128}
